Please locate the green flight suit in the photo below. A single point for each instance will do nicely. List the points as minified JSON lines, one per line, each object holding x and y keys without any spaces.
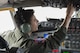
{"x":17,"y":39}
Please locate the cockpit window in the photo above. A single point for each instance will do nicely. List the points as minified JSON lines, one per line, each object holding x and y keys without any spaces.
{"x":6,"y":22}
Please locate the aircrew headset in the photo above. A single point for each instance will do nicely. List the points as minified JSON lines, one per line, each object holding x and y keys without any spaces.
{"x":25,"y":27}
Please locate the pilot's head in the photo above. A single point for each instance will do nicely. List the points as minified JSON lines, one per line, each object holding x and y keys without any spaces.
{"x":26,"y":20}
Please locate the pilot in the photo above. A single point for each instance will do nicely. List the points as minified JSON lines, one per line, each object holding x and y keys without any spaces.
{"x":27,"y":23}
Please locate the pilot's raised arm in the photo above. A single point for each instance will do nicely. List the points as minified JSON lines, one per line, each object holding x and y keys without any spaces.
{"x":54,"y":40}
{"x":69,"y":12}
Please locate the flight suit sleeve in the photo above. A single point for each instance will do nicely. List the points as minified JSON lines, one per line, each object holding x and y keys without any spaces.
{"x":53,"y":41}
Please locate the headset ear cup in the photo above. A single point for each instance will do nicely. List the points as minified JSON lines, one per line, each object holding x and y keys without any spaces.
{"x":25,"y":28}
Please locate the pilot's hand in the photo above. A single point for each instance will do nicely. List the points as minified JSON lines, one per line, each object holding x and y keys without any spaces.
{"x":70,"y":9}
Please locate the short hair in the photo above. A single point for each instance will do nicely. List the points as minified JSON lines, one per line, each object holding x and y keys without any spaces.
{"x":23,"y":16}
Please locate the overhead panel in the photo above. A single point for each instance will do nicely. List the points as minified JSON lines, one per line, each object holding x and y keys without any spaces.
{"x":32,"y":3}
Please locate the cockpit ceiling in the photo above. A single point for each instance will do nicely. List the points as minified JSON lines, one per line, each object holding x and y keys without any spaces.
{"x":32,"y":3}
